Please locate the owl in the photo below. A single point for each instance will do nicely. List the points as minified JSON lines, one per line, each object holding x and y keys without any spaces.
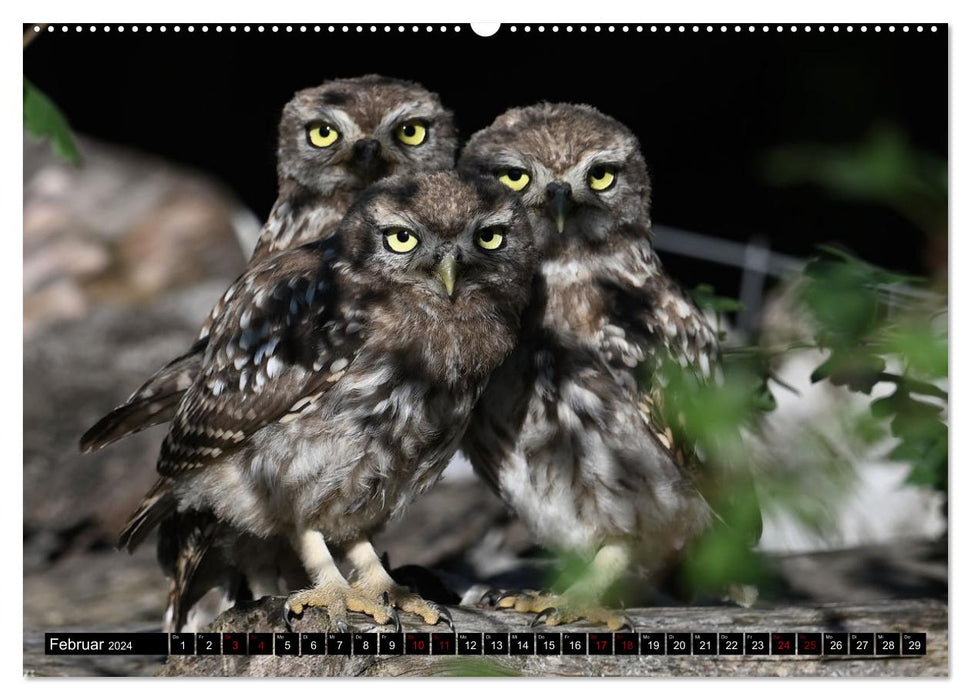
{"x":567,"y":432}
{"x":334,"y":140}
{"x":339,"y":377}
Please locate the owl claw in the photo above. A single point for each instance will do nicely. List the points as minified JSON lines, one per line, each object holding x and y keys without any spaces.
{"x":543,"y":616}
{"x":443,"y":614}
{"x":289,"y":616}
{"x":491,"y":597}
{"x":392,"y":612}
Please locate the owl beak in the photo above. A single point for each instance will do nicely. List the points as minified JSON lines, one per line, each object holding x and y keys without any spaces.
{"x":559,"y":200}
{"x":447,"y":269}
{"x":366,"y":155}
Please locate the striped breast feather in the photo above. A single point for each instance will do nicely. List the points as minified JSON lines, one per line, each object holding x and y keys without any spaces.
{"x":279,"y":345}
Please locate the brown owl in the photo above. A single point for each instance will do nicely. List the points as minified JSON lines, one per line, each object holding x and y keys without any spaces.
{"x":567,"y":432}
{"x":334,"y":140}
{"x":339,"y":377}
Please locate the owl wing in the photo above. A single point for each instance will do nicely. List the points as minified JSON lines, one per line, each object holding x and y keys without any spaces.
{"x":655,"y":321}
{"x":157,"y":400}
{"x":279,"y":344}
{"x":152,"y":403}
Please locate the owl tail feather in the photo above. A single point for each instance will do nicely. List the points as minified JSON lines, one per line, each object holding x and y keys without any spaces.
{"x":130,"y":418}
{"x":153,"y":402}
{"x":158,"y":503}
{"x":184,"y":541}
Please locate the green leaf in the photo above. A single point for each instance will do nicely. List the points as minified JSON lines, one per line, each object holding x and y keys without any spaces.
{"x":704,"y":295}
{"x":923,"y":348}
{"x":858,"y":371}
{"x":720,"y":558}
{"x":843,"y":300}
{"x":928,"y":459}
{"x":43,"y":120}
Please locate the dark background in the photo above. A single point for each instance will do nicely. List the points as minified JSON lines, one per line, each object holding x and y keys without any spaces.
{"x":706,"y":107}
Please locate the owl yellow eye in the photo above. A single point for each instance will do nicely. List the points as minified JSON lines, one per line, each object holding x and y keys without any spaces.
{"x":412,"y":133}
{"x":490,"y":238}
{"x":601,"y":178}
{"x":400,"y":240}
{"x":322,"y":135}
{"x":515,"y":179}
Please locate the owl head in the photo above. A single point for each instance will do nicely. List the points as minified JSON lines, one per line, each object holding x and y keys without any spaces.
{"x":348,"y":133}
{"x":579,"y":172}
{"x":442,"y":241}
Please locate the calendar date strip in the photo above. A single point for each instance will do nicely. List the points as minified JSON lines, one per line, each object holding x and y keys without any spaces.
{"x":807,"y":644}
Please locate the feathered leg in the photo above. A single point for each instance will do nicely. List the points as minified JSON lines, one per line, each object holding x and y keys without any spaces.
{"x":331,"y":590}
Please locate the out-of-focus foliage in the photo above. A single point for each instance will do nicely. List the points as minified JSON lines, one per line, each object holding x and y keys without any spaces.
{"x":704,"y":295}
{"x":709,"y":419}
{"x":866,"y":322}
{"x":884,"y":169}
{"x":43,"y":120}
{"x":866,"y":318}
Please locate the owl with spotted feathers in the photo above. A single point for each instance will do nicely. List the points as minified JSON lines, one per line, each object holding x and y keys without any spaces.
{"x":339,"y":377}
{"x":334,"y":140}
{"x":569,"y":433}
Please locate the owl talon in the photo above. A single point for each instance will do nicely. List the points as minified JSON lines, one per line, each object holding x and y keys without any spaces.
{"x":392,"y":612}
{"x":544,"y":617}
{"x":289,"y":616}
{"x":444,"y":614}
{"x":338,"y":600}
{"x":491,"y":597}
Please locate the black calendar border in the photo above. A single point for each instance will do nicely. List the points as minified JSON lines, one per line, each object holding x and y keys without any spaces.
{"x":708,"y":643}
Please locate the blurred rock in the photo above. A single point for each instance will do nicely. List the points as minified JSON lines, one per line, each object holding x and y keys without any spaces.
{"x":75,"y":372}
{"x":123,"y":258}
{"x":120,"y":228}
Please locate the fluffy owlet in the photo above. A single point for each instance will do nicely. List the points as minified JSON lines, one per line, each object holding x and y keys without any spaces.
{"x":334,"y":140}
{"x":339,"y":377}
{"x":566,"y":432}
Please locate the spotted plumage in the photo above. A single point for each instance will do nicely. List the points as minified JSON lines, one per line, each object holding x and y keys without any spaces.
{"x":317,"y":184}
{"x":340,"y":375}
{"x":571,"y":431}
